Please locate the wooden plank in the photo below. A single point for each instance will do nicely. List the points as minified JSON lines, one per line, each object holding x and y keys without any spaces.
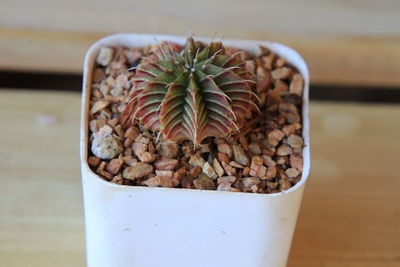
{"x":345,"y":42}
{"x":349,"y":217}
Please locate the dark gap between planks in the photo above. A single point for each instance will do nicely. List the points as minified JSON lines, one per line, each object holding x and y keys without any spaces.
{"x":73,"y":82}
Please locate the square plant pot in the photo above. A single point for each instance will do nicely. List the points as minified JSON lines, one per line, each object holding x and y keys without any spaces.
{"x":128,"y":226}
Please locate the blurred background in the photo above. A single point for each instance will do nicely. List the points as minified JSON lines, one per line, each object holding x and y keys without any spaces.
{"x":351,"y":209}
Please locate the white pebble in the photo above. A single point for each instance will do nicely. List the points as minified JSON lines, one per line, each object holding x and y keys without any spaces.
{"x":106,"y":147}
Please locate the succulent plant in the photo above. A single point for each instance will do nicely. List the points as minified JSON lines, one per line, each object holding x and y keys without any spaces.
{"x":191,"y":93}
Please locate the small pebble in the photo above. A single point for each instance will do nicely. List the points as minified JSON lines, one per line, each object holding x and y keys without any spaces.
{"x":204,"y":183}
{"x":280,"y":73}
{"x":159,"y":181}
{"x":224,"y":186}
{"x":250,"y":181}
{"x":138,"y":171}
{"x":147,"y":157}
{"x":296,"y":161}
{"x":225,"y":148}
{"x":284,"y":150}
{"x":292,"y":172}
{"x":106,"y":147}
{"x":296,"y":85}
{"x":168,"y":150}
{"x":105,"y":56}
{"x":226,"y":179}
{"x":166,"y":164}
{"x":218,"y":168}
{"x":197,"y":160}
{"x":295,"y":141}
{"x":114,"y":166}
{"x":240,"y":155}
{"x":255,"y":148}
{"x":209,"y":171}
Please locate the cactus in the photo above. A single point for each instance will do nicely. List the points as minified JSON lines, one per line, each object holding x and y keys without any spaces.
{"x":191,"y":93}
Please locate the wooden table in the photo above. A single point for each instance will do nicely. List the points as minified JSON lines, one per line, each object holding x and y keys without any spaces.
{"x":343,"y":42}
{"x":350,"y":215}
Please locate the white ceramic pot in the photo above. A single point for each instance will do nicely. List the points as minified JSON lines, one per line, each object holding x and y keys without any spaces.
{"x":132,"y":226}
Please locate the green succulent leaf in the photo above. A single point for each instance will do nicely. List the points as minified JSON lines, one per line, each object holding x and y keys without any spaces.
{"x":191,"y":93}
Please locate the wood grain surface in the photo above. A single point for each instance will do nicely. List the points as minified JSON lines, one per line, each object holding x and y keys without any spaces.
{"x":344,"y":42}
{"x":350,"y":215}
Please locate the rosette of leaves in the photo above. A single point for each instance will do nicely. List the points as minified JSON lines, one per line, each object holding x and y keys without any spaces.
{"x":191,"y":93}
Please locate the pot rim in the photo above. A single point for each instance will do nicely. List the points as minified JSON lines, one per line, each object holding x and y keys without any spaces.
{"x":121,"y":38}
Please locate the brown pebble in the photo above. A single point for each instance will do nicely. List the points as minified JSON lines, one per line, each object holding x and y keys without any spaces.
{"x":296,"y":161}
{"x":228,"y":169}
{"x":159,"y":181}
{"x":257,"y":160}
{"x":218,"y":168}
{"x":295,"y":141}
{"x":168,"y":150}
{"x":273,"y":98}
{"x":250,"y":181}
{"x":296,"y":85}
{"x":142,"y":139}
{"x":147,"y":157}
{"x":114,"y":166}
{"x":255,"y":148}
{"x":282,"y":160}
{"x":139,"y":148}
{"x":246,"y":171}
{"x":197,"y":160}
{"x":195,"y":172}
{"x":257,"y":170}
{"x":269,"y":61}
{"x":280,"y":73}
{"x":264,"y":80}
{"x":284,"y":184}
{"x":131,"y":132}
{"x":117,"y":179}
{"x":129,"y":160}
{"x":93,"y":161}
{"x":128,"y":142}
{"x":138,"y":171}
{"x":243,"y":142}
{"x":275,"y":136}
{"x":122,"y":81}
{"x":284,"y":150}
{"x":281,"y":88}
{"x":209,"y":171}
{"x":226,"y":179}
{"x":268,"y":161}
{"x":204,"y":183}
{"x":292,"y":172}
{"x":222,"y":157}
{"x":280,"y":62}
{"x":168,"y":174}
{"x":289,"y":129}
{"x":98,"y":75}
{"x":240,"y":155}
{"x":98,"y":106}
{"x":186,"y":182}
{"x":271,"y":173}
{"x":179,"y":174}
{"x":224,"y":186}
{"x":236,"y":165}
{"x":225,"y":148}
{"x":166,"y":164}
{"x":102,"y":166}
{"x":290,"y":112}
{"x":106,"y":174}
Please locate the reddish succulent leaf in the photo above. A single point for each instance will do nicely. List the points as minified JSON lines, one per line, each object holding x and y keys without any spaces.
{"x":191,"y":94}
